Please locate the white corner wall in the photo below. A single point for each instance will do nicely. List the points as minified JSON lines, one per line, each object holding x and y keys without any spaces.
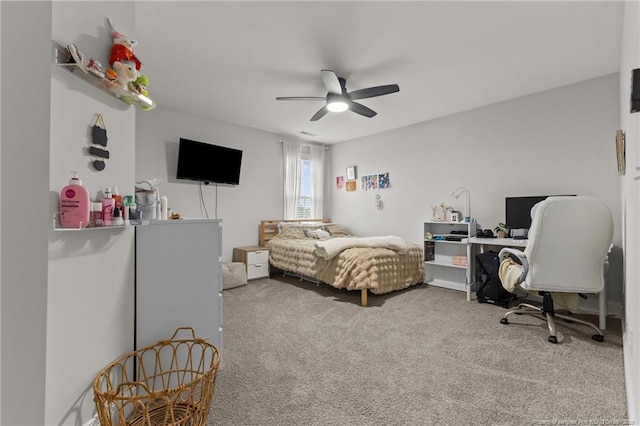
{"x":630,"y":123}
{"x":24,"y":173}
{"x":0,"y":220}
{"x":559,"y":141}
{"x":90,"y":315}
{"x":258,"y":196}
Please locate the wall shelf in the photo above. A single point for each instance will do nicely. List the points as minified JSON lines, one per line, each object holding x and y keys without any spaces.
{"x":58,"y":227}
{"x":93,"y":73}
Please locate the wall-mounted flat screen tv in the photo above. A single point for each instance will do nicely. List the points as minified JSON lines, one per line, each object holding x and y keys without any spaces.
{"x":205,"y":162}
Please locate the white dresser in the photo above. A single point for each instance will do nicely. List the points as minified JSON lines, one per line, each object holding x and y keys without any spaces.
{"x":178,"y":280}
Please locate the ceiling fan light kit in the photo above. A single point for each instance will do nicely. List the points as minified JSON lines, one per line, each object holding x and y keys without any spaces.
{"x":335,"y":103}
{"x":338,"y":99}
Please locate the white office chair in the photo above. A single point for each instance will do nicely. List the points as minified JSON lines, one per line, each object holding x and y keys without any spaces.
{"x":568,"y":244}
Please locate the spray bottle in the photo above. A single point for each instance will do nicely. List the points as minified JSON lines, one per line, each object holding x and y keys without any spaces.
{"x":108,"y":204}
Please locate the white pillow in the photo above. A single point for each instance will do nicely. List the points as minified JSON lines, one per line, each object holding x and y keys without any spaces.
{"x":318,"y":234}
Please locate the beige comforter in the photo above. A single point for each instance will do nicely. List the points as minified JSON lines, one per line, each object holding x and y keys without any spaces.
{"x":380,"y":270}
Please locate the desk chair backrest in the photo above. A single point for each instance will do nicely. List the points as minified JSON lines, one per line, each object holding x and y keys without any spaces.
{"x":568,"y":244}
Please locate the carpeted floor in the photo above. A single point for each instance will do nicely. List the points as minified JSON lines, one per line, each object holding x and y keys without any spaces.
{"x":299,"y":354}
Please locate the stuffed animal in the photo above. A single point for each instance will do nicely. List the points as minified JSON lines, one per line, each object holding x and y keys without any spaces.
{"x":129,"y":82}
{"x":125,"y":73}
{"x":122,"y":48}
{"x":139,"y":85}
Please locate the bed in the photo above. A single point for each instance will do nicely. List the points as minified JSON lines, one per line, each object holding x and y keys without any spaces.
{"x":321,"y":251}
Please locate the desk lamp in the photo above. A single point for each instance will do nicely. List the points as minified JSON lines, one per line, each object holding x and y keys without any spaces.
{"x":467,"y":209}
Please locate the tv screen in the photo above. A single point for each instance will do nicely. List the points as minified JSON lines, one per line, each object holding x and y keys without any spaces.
{"x":205,"y":162}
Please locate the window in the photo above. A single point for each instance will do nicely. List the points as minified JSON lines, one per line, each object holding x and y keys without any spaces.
{"x":304,"y":174}
{"x":306,"y":184}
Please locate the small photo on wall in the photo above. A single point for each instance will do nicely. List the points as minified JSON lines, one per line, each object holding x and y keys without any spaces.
{"x":369,"y":182}
{"x":351,"y":186}
{"x":383,"y":180}
{"x":351,"y":173}
{"x":340,"y":182}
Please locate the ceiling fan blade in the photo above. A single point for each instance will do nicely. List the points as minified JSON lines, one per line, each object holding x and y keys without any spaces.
{"x":321,"y":113}
{"x":371,"y":92}
{"x":331,"y":81}
{"x":301,"y":98}
{"x":361,"y":109}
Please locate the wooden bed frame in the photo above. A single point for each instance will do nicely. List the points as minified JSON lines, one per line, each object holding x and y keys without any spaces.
{"x":269,"y":229}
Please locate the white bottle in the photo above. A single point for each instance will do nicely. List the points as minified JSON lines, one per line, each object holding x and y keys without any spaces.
{"x":163,"y":208}
{"x":157,"y":205}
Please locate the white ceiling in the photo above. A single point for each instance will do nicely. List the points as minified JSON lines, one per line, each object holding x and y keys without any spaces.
{"x":229,"y":60}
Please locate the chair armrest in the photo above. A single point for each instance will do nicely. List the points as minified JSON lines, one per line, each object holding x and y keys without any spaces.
{"x":519,"y":256}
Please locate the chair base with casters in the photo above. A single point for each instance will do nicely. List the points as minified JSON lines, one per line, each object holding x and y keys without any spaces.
{"x":546,"y":312}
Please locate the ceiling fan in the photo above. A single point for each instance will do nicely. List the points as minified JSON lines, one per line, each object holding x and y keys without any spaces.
{"x":338,"y":99}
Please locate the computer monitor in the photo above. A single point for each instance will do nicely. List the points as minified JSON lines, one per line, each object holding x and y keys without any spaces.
{"x":518,"y":210}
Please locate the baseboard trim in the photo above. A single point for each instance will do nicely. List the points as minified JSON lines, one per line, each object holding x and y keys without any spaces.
{"x":452,"y":285}
{"x":628,"y":381}
{"x":591,"y":305}
{"x":93,"y":421}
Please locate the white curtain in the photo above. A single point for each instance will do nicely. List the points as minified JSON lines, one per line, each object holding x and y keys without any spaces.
{"x":292,"y":152}
{"x":295,"y":154}
{"x":317,"y":175}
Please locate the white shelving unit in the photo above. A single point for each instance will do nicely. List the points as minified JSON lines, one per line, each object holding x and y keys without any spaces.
{"x":441,"y":271}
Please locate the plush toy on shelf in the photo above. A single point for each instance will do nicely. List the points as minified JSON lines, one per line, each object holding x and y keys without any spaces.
{"x":140,"y":85}
{"x":122,"y":49}
{"x":137,"y":94}
{"x":130,"y":84}
{"x":125,"y":73}
{"x":123,"y":62}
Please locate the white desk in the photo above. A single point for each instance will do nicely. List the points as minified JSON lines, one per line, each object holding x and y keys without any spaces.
{"x":474,"y":242}
{"x":502,"y":242}
{"x":510,"y":242}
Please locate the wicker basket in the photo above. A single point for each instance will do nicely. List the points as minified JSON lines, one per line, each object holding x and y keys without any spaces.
{"x":169,"y":383}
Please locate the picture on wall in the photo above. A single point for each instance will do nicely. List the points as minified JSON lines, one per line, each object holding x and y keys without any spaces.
{"x":383,"y":180}
{"x":351,"y":186}
{"x":620,"y":151}
{"x":340,"y":182}
{"x":369,"y":182}
{"x":351,"y":173}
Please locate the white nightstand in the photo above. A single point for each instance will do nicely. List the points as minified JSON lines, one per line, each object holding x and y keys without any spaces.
{"x":256,"y":258}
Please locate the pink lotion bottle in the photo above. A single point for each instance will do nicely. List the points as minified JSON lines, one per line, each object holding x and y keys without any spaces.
{"x":74,"y":204}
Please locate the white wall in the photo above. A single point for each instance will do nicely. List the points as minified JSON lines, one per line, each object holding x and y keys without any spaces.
{"x":0,"y":220}
{"x":60,"y":326}
{"x":90,"y":315}
{"x":630,"y":123}
{"x":66,"y":314}
{"x":555,"y":142}
{"x":258,"y":196}
{"x":24,"y":171}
